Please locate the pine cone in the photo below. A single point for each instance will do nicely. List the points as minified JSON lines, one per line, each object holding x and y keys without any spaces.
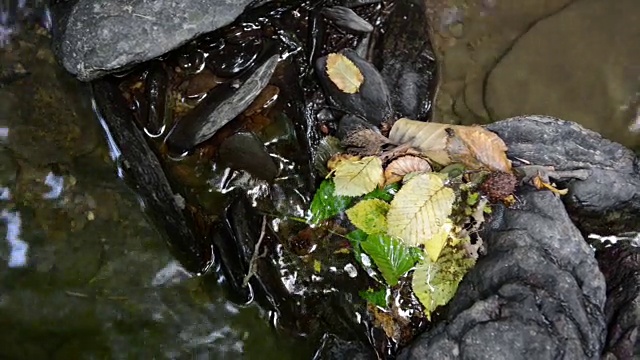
{"x":498,"y":186}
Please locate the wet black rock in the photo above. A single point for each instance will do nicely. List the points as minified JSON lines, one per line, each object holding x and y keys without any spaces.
{"x":619,"y":264}
{"x":145,"y":174}
{"x":537,"y":294}
{"x":94,"y":37}
{"x":407,"y":60}
{"x":608,"y":200}
{"x":372,"y":101}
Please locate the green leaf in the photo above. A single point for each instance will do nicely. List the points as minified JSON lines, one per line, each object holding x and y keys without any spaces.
{"x":385,"y":194}
{"x":435,"y":283}
{"x":391,"y":256}
{"x":419,"y":214}
{"x":358,"y":177}
{"x":326,"y":204}
{"x":378,"y":298}
{"x":473,"y":198}
{"x":369,"y":216}
{"x":355,"y":238}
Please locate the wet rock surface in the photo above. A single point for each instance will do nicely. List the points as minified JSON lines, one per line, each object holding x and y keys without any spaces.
{"x":619,"y":263}
{"x":92,"y":38}
{"x":539,"y":285}
{"x":568,"y":146}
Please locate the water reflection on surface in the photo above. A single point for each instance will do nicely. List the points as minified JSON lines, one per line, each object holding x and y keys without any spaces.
{"x":83,"y":274}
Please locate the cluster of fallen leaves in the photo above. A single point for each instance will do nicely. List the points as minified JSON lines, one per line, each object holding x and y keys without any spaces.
{"x":414,"y":205}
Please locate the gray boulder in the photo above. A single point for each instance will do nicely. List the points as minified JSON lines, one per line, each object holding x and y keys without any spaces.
{"x":95,"y":37}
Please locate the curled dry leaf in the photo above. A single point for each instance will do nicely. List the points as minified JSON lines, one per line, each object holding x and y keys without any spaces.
{"x":402,"y":166}
{"x":541,"y":184}
{"x":473,"y":146}
{"x":344,"y":73}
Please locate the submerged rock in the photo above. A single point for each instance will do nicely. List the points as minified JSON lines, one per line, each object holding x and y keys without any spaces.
{"x":95,"y":37}
{"x":221,"y":106}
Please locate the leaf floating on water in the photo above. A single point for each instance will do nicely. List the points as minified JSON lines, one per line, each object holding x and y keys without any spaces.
{"x":391,"y":256}
{"x":435,"y":283}
{"x":400,"y":167}
{"x":326,"y":204}
{"x":344,"y":73}
{"x":420,"y":209}
{"x":369,"y":216}
{"x":473,"y":146}
{"x":358,"y":177}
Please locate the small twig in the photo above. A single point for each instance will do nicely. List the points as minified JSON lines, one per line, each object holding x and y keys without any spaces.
{"x":256,"y":254}
{"x":76,"y":294}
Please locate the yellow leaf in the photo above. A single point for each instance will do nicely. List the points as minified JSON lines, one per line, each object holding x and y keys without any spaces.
{"x":358,"y":177}
{"x":344,"y":73}
{"x":420,"y":210}
{"x":434,"y":246}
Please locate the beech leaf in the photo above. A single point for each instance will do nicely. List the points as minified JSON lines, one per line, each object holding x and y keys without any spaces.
{"x":344,"y":73}
{"x":420,"y":209}
{"x":326,"y":204}
{"x":358,"y":177}
{"x":392,"y":258}
{"x":369,"y":216}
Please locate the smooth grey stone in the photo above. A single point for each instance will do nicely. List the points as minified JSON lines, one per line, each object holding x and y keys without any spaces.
{"x":95,"y":37}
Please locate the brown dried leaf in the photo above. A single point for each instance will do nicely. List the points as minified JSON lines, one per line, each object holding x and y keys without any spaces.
{"x":477,"y":147}
{"x":402,"y":166}
{"x":474,"y":146}
{"x":429,"y":138}
{"x":344,"y":73}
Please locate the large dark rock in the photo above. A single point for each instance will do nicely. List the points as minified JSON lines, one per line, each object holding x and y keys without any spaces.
{"x":94,"y":37}
{"x":608,"y":200}
{"x":537,"y":294}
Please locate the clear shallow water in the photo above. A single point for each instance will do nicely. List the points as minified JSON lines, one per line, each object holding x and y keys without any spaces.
{"x":83,"y":274}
